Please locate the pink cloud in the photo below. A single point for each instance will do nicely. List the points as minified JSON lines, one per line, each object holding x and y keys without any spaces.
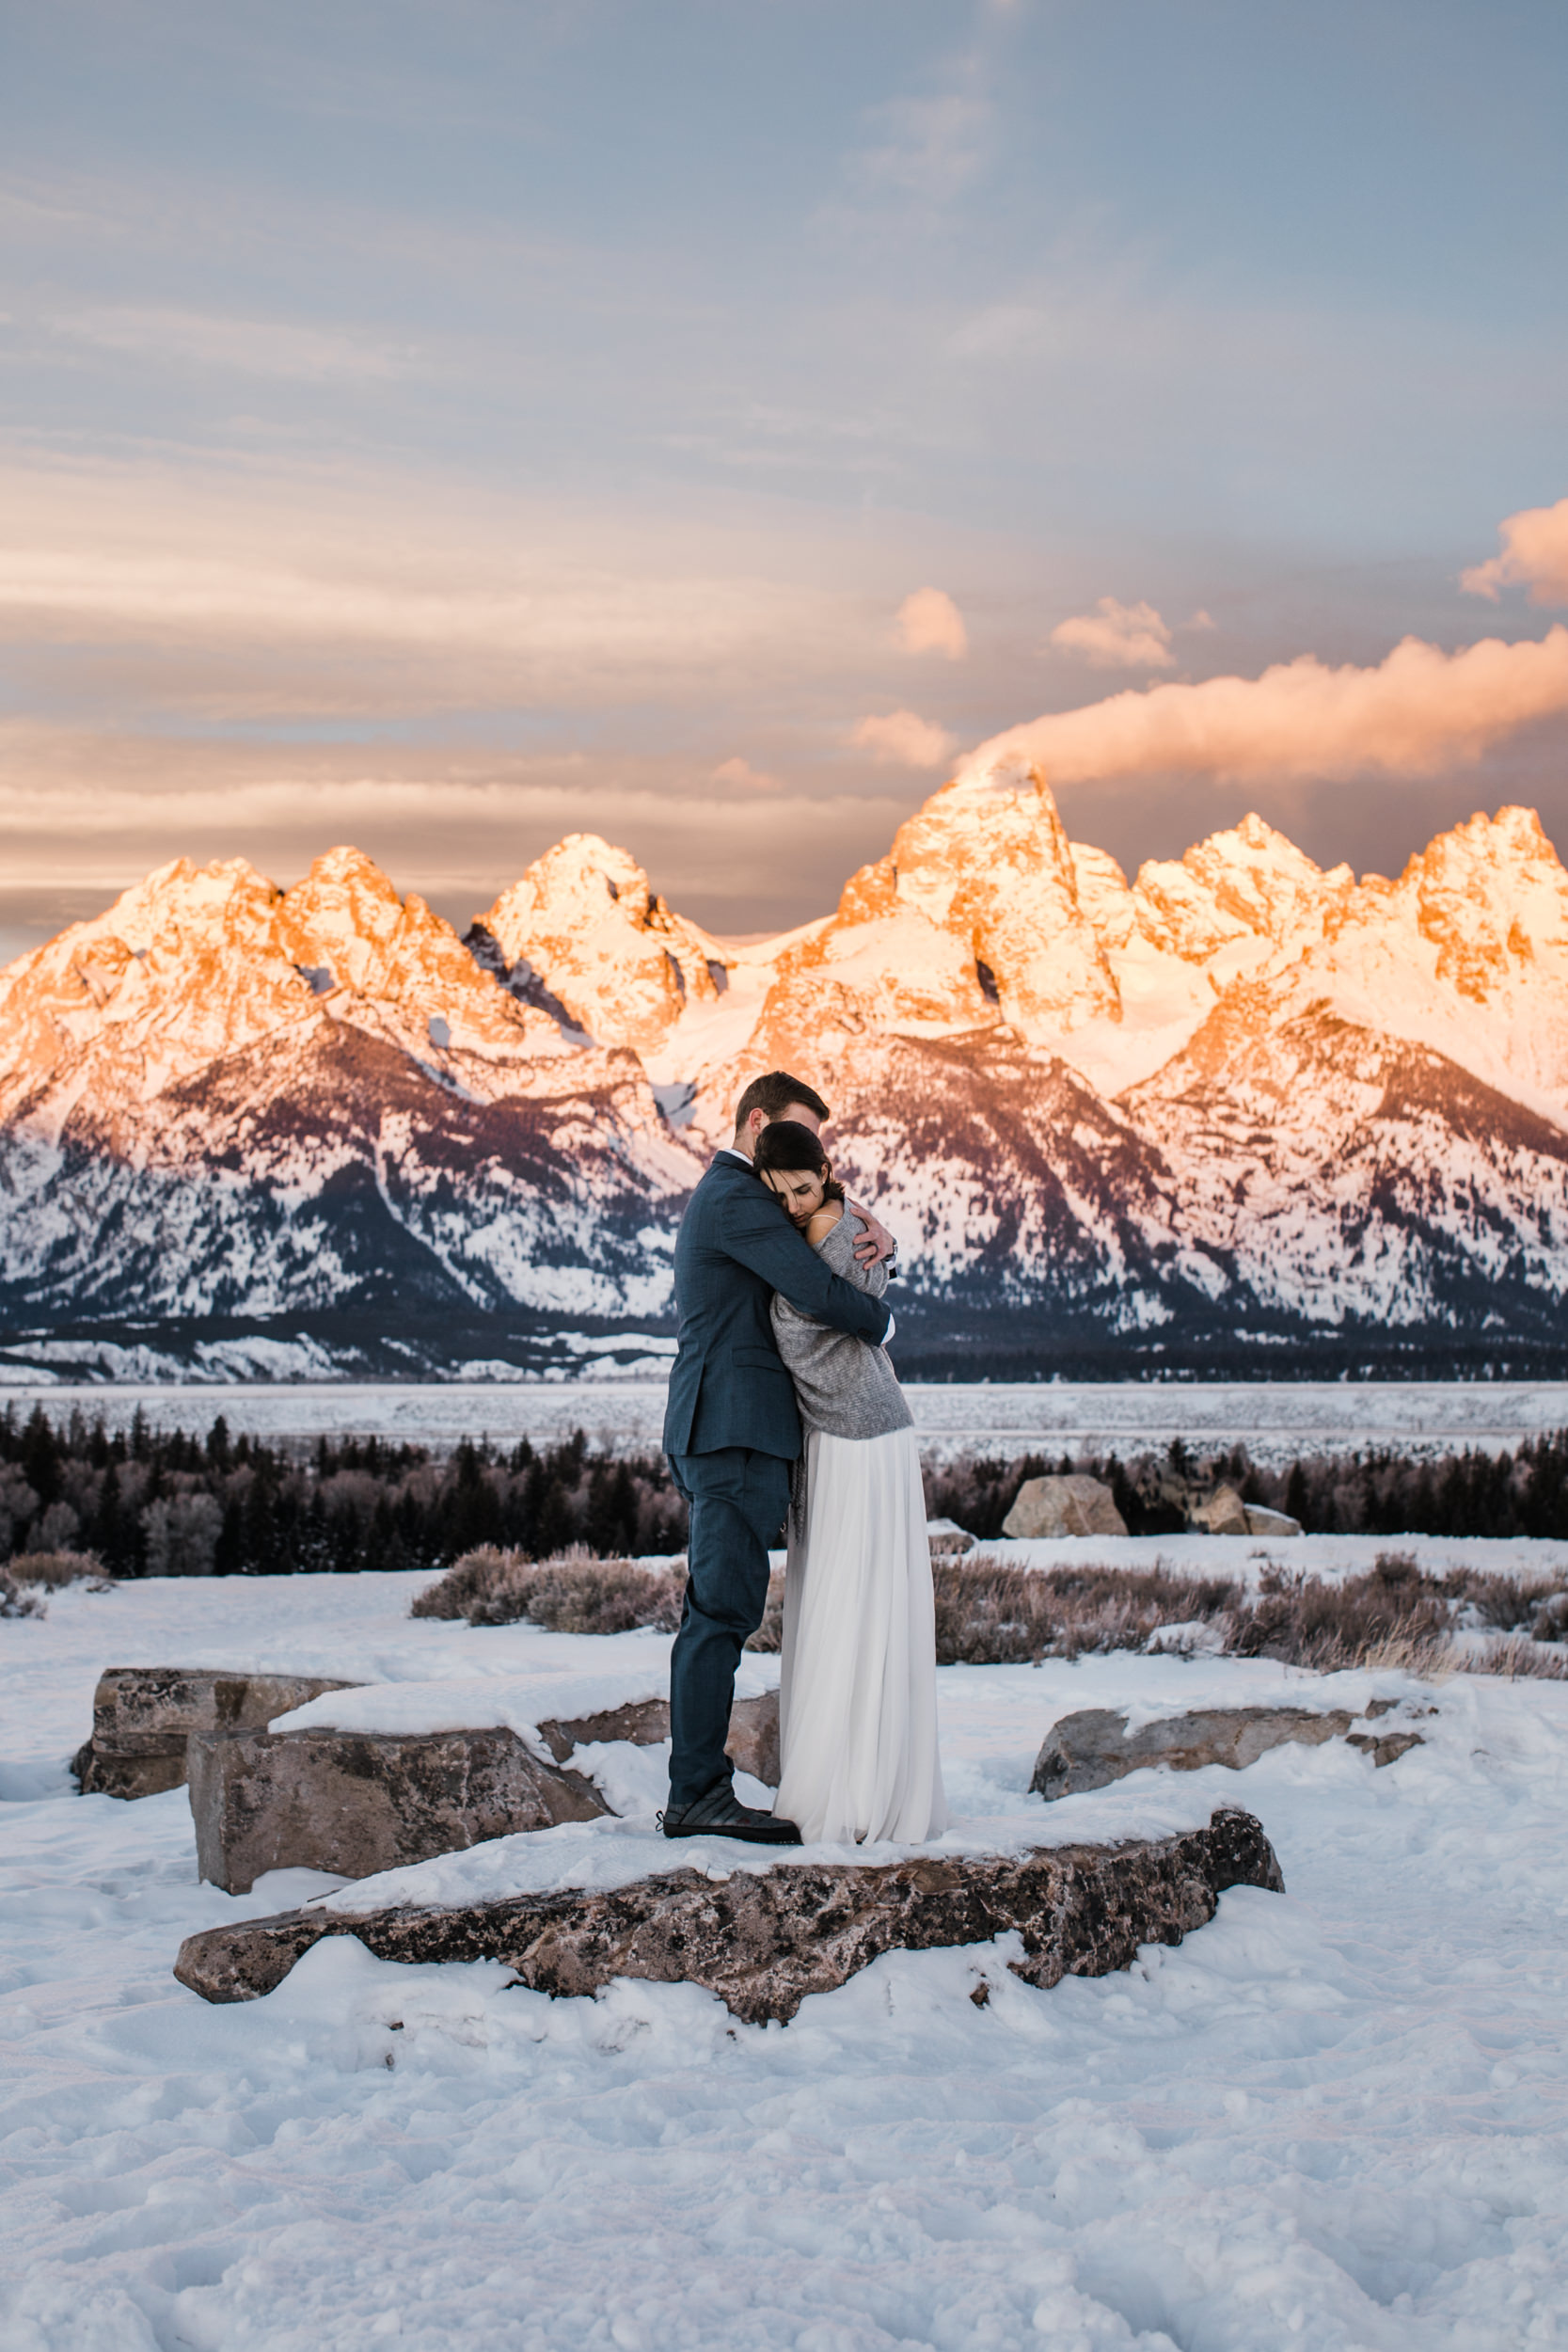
{"x":930,"y":622}
{"x":742,"y":772}
{"x":1418,"y":711}
{"x":1535,"y":550}
{"x":1118,"y":637}
{"x":902,"y":738}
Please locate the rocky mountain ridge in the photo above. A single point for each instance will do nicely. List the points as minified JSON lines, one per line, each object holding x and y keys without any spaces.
{"x":1239,"y":1104}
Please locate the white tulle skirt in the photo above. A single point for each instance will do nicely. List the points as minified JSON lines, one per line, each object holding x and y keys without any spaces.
{"x":858,"y":1698}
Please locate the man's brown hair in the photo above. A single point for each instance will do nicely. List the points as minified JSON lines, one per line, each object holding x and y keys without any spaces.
{"x":774,"y":1094}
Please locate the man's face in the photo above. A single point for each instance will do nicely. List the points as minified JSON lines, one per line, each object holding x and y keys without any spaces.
{"x":758,"y":1121}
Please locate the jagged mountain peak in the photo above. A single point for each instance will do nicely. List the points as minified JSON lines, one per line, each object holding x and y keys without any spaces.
{"x":342,"y":919}
{"x":195,"y":963}
{"x":585,"y":924}
{"x":988,"y":864}
{"x":1249,"y":882}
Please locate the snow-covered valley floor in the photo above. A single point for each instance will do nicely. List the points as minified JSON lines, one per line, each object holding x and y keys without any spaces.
{"x":1334,"y":2120}
{"x":1274,"y":1419}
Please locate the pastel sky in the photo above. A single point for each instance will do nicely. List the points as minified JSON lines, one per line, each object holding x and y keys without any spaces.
{"x":444,"y":424}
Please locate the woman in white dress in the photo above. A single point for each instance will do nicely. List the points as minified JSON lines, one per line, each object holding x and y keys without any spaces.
{"x":858,"y":1698}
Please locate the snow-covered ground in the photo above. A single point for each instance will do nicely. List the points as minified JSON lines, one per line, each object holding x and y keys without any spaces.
{"x":1274,"y":1419}
{"x":1333,"y":2119}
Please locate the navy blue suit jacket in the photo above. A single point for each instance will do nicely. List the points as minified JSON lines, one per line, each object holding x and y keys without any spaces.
{"x":736,"y":1248}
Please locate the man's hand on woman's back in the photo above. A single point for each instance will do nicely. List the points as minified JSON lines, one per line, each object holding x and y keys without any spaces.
{"x":876,"y":1243}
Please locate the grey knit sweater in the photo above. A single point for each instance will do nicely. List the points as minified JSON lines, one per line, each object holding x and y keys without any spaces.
{"x":844,"y":1385}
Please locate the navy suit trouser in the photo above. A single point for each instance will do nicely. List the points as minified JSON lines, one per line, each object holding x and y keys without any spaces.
{"x":737,"y":1498}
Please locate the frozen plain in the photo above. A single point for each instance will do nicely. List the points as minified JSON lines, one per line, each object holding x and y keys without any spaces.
{"x":1332,"y":2120}
{"x":1274,"y":1419}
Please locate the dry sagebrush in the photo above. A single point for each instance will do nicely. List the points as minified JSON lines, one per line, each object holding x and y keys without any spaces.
{"x":55,"y":1568}
{"x":574,"y":1592}
{"x":990,"y":1613}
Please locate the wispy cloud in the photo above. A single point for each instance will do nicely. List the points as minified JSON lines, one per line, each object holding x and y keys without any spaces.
{"x":1534,"y":552}
{"x":1418,"y":711}
{"x":901,"y":739}
{"x":750,"y":779}
{"x":927,"y":148}
{"x":236,"y":591}
{"x":286,"y":348}
{"x":930,"y":622}
{"x":1117,"y":636}
{"x":90,"y":813}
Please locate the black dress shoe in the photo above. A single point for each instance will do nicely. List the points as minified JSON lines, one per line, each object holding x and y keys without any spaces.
{"x":721,"y":1814}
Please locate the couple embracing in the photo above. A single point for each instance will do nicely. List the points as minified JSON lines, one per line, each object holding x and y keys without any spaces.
{"x":783,"y":1404}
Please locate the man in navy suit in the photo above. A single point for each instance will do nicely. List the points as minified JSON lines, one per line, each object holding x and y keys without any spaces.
{"x":731,"y":1431}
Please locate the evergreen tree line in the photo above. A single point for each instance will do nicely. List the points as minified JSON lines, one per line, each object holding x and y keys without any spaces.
{"x":1375,"y":1492}
{"x":162,"y":1503}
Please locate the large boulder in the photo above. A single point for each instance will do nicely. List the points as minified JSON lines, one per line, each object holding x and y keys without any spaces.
{"x":752,"y":1742}
{"x":357,"y":1801}
{"x":1093,"y":1748}
{"x":763,"y":1940}
{"x":1069,"y":1505}
{"x":142,"y":1717}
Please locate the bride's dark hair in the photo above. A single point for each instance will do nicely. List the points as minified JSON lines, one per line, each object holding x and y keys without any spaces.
{"x":786,"y":1144}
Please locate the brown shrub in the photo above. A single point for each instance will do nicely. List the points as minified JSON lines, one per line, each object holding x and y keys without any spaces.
{"x":55,"y":1568}
{"x":575,"y":1592}
{"x":1305,"y":1622}
{"x":990,"y":1613}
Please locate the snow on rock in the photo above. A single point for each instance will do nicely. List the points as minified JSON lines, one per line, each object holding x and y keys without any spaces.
{"x":767,"y":1940}
{"x":583,"y":924}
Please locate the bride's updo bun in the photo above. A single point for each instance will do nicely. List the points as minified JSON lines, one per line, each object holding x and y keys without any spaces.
{"x":786,"y":1144}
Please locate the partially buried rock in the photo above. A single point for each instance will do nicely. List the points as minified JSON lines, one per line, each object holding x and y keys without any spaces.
{"x":1262,"y":1521}
{"x":1069,"y":1505}
{"x":142,"y":1717}
{"x":752,"y":1740}
{"x":1224,"y":1513}
{"x":1093,"y":1748}
{"x":763,"y":1940}
{"x":357,"y":1801}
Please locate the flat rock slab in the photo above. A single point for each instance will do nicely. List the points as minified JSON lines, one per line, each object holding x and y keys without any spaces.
{"x":1092,"y":1749}
{"x":143,"y":1716}
{"x":354,"y":1803}
{"x":753,"y":1741}
{"x":763,"y":1940}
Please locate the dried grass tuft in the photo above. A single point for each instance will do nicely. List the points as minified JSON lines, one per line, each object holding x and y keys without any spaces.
{"x":575,"y":1592}
{"x":56,"y":1568}
{"x":1516,"y":1656}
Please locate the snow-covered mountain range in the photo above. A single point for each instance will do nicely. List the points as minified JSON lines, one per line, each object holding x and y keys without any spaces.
{"x":1237,"y":1104}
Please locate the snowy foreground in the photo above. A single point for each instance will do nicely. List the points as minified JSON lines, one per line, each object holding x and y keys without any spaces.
{"x":1274,"y":1421}
{"x":1333,"y":2120}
